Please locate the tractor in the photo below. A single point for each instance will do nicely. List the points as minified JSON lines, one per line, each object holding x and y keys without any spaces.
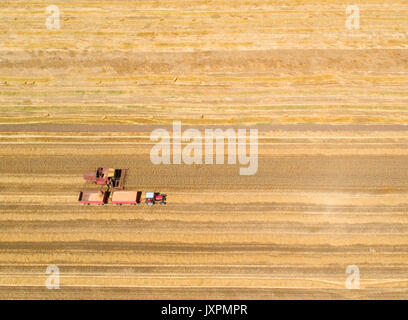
{"x":153,"y":197}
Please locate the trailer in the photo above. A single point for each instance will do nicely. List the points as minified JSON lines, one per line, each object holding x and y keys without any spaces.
{"x":153,"y":197}
{"x":93,"y":197}
{"x":125,"y":197}
{"x":107,"y":176}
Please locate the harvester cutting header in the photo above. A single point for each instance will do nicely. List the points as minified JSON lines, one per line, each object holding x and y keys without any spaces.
{"x":112,"y":184}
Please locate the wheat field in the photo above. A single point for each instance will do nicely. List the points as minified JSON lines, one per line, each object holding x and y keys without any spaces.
{"x":331,"y":189}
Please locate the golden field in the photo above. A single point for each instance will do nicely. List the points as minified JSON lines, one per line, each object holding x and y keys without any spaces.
{"x":331,"y":189}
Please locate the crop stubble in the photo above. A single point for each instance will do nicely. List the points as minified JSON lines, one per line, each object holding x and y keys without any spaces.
{"x":331,"y":189}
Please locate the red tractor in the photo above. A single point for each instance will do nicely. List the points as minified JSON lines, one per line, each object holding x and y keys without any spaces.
{"x":153,"y":197}
{"x":107,"y":176}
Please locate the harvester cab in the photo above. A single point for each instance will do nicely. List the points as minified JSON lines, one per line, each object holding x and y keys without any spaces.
{"x":153,"y":197}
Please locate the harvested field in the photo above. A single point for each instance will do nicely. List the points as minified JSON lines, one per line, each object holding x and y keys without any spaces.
{"x":287,"y":232}
{"x":331,"y":188}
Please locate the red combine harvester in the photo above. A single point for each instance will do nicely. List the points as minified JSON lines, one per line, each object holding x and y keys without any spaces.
{"x":93,"y":197}
{"x":153,"y":197}
{"x":107,"y":176}
{"x":126,"y":197}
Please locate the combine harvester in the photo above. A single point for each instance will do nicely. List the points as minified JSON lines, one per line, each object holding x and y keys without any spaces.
{"x":107,"y":176}
{"x":112,"y":184}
